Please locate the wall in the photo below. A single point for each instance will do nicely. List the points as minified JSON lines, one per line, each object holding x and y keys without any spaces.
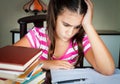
{"x":118,"y":14}
{"x":106,"y":16}
{"x":10,"y":12}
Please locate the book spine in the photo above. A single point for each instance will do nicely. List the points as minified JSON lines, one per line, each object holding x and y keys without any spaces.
{"x":32,"y":78}
{"x":34,"y":70}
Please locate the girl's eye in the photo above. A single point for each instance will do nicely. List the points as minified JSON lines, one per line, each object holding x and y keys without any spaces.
{"x":65,"y":24}
{"x":78,"y":27}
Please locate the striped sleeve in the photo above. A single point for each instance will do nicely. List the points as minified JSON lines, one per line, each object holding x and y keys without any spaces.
{"x":32,"y":36}
{"x":37,"y":39}
{"x":86,"y":44}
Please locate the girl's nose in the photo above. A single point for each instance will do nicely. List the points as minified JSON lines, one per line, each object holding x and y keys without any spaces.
{"x":70,"y":31}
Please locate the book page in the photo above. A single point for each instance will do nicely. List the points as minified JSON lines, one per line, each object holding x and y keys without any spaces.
{"x":83,"y":76}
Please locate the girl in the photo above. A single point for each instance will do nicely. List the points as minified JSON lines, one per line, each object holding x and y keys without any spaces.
{"x":69,"y":36}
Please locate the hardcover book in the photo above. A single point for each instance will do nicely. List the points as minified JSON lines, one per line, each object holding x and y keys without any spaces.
{"x":17,"y":58}
{"x":34,"y":69}
{"x":37,"y":78}
{"x":21,"y":76}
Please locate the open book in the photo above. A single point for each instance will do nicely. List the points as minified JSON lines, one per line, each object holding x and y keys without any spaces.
{"x":83,"y":76}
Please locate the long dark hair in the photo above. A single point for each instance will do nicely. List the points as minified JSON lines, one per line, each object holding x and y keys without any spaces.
{"x":56,"y":8}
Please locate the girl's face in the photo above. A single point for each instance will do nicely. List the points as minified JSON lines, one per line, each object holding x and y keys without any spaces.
{"x":67,"y":25}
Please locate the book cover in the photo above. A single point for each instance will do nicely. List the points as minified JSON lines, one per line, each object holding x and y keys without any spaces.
{"x":17,"y":58}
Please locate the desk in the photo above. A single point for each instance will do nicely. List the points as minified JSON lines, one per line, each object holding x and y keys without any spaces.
{"x":47,"y":80}
{"x":94,"y":75}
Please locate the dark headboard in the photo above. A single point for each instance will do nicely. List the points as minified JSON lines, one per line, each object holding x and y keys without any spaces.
{"x":37,"y":20}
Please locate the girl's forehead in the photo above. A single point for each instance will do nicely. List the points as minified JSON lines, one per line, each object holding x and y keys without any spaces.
{"x":70,"y":16}
{"x":66,"y":12}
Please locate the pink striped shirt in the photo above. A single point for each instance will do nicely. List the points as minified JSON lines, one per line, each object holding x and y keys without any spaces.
{"x":38,"y":38}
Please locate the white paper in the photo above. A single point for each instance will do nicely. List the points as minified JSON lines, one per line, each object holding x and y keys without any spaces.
{"x":90,"y":75}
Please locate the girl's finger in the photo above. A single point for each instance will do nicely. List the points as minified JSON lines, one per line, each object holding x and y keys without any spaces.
{"x":89,"y":3}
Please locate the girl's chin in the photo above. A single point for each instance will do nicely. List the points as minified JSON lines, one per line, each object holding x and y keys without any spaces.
{"x":66,"y":39}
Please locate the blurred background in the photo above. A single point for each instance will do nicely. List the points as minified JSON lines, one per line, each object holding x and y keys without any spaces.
{"x":106,"y":16}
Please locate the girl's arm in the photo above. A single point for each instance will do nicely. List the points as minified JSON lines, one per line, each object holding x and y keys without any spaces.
{"x":22,"y":42}
{"x":98,"y":56}
{"x":48,"y":64}
{"x":56,"y":64}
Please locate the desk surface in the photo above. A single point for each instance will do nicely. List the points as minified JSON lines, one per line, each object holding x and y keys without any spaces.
{"x":92,"y":75}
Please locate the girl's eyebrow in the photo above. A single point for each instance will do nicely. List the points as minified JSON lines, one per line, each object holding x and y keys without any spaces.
{"x":72,"y":25}
{"x":67,"y":23}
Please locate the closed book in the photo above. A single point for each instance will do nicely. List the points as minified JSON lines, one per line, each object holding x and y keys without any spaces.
{"x":13,"y":75}
{"x":6,"y":81}
{"x":36,"y":78}
{"x":17,"y":58}
{"x":34,"y":69}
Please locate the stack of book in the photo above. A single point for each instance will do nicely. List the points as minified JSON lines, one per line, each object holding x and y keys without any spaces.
{"x":21,"y":64}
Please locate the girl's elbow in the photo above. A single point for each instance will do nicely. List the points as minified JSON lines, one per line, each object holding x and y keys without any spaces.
{"x":106,"y":70}
{"x":110,"y":71}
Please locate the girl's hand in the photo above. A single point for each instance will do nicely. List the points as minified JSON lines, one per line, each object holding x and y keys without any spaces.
{"x":87,"y":20}
{"x":57,"y":64}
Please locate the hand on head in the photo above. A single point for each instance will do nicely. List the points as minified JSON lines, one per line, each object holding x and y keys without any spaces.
{"x":87,"y":21}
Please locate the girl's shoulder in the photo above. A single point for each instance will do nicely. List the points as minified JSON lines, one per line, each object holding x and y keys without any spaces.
{"x":39,"y":30}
